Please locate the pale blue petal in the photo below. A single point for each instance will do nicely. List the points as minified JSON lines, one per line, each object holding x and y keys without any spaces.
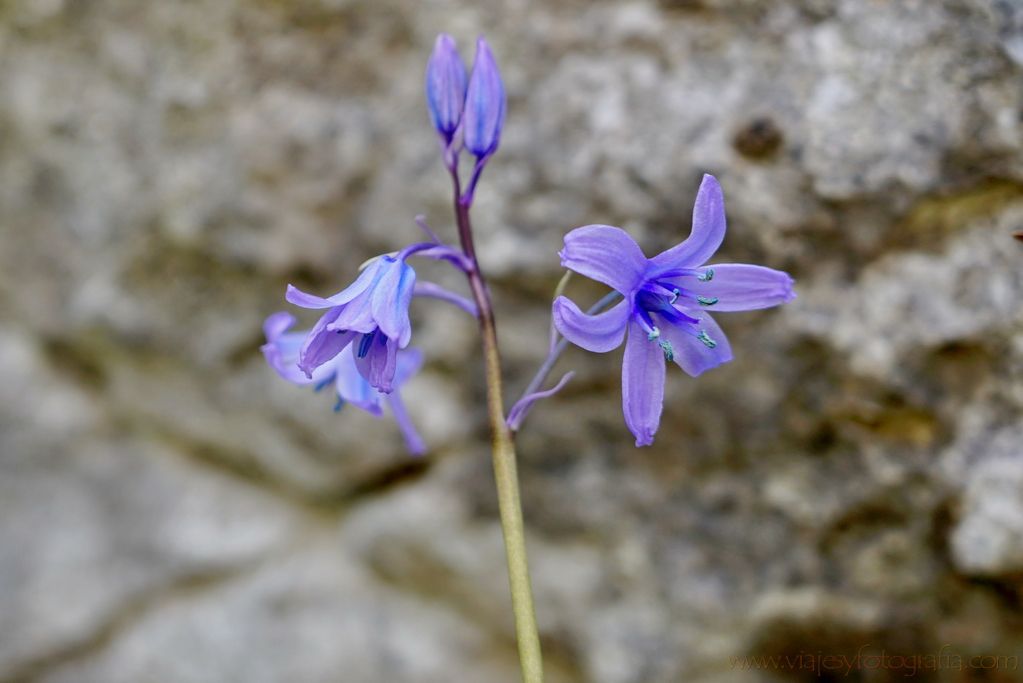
{"x":377,"y":361}
{"x":708,"y":231}
{"x":297,"y":297}
{"x":352,"y":387}
{"x":413,"y":442}
{"x":392,"y":294}
{"x":691,"y":351}
{"x":322,"y":344}
{"x":600,"y":333}
{"x":740,"y":287}
{"x":642,"y":385}
{"x":606,"y":254}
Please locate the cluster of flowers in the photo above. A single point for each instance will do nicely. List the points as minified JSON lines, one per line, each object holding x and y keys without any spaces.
{"x":360,"y":343}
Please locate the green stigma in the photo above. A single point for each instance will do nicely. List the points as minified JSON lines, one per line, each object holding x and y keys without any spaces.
{"x":707,"y":341}
{"x":707,"y":300}
{"x":707,"y":275}
{"x":669,"y":351}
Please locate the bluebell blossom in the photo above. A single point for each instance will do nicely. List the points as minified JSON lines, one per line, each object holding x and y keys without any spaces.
{"x":371,"y":314}
{"x":665,"y":313}
{"x":282,"y":349}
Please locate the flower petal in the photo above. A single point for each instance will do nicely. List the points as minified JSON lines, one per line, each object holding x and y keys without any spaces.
{"x":352,"y":387}
{"x":409,"y":362}
{"x":741,"y":287}
{"x":413,"y":442}
{"x":376,"y":359}
{"x":392,"y":294}
{"x":277,"y":324}
{"x":322,"y":343}
{"x":693,"y":352}
{"x":707,"y":234}
{"x":296,"y":296}
{"x":642,"y":385}
{"x":600,"y":333}
{"x":606,"y":254}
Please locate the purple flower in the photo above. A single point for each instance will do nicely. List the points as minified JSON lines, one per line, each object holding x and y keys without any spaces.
{"x":371,"y":315}
{"x":282,"y":353}
{"x":484,"y":104}
{"x":445,"y":87}
{"x":666,"y":304}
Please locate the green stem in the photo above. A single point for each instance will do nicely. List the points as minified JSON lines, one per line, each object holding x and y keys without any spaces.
{"x":505,"y":470}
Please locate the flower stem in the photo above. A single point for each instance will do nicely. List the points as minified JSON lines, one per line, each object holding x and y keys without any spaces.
{"x":505,"y":470}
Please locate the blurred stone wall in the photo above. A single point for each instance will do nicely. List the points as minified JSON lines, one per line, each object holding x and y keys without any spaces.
{"x":171,"y":512}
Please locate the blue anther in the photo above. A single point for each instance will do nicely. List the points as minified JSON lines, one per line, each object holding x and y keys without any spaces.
{"x":707,"y":341}
{"x":669,"y":351}
{"x":364,"y":344}
{"x":707,"y":300}
{"x":706,"y":276}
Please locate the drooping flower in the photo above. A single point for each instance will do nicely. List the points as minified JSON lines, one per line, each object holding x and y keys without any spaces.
{"x":371,"y":315}
{"x":667,"y":299}
{"x":281,"y":351}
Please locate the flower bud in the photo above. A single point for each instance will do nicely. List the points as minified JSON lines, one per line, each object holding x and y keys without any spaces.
{"x":445,"y":86}
{"x":484,"y":104}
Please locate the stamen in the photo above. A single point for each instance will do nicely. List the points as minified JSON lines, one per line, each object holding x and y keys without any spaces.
{"x":364,"y":344}
{"x":669,"y":351}
{"x":653,"y":334}
{"x":707,"y":341}
{"x":321,"y":385}
{"x":674,"y":295}
{"x":707,"y":300}
{"x":706,"y":276}
{"x":339,"y":405}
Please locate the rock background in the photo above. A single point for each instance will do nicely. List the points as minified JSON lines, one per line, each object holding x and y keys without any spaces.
{"x":170,"y":512}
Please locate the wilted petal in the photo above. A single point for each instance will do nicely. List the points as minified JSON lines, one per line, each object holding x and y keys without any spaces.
{"x":606,"y":254}
{"x":642,"y":385}
{"x":707,"y":234}
{"x":521,"y":408}
{"x":741,"y":287}
{"x":322,"y":344}
{"x":296,"y":296}
{"x":697,"y":348}
{"x":392,"y":294}
{"x":484,"y":103}
{"x":376,"y":359}
{"x":600,"y":333}
{"x":445,"y":86}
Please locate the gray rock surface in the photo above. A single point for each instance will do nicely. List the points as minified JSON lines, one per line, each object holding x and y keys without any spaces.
{"x":171,"y":512}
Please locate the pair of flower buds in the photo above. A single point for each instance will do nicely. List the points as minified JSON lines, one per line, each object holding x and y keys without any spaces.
{"x":467,"y":111}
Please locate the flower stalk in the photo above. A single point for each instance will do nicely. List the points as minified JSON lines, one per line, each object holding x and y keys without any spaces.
{"x":504,"y":459}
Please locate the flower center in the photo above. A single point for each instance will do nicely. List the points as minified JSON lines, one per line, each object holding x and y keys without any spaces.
{"x":659,"y":297}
